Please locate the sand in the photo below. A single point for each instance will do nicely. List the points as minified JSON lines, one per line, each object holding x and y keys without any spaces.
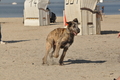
{"x":91,"y":57}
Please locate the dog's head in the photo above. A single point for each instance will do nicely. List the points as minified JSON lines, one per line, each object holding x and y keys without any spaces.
{"x":73,"y":26}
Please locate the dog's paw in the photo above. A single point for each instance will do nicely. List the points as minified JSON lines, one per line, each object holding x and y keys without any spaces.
{"x":61,"y":64}
{"x":56,"y":55}
{"x":45,"y":64}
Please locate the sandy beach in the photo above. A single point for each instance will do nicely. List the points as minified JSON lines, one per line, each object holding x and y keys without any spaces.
{"x":91,"y":57}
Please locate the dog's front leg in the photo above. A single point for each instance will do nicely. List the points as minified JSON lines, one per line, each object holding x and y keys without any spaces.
{"x":63,"y":55}
{"x":57,"y":49}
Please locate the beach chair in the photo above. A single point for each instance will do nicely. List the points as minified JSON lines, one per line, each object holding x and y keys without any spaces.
{"x":86,"y":12}
{"x":35,"y":13}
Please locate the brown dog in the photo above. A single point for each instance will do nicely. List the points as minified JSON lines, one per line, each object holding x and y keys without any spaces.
{"x":61,"y":38}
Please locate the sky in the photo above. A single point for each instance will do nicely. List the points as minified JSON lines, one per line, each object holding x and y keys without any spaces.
{"x":10,"y":1}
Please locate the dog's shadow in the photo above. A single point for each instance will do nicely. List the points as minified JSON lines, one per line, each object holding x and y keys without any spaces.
{"x":78,"y":61}
{"x":15,"y":41}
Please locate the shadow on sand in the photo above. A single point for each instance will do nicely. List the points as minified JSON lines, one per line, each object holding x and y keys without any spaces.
{"x":15,"y":41}
{"x":109,"y":32}
{"x":81,"y":61}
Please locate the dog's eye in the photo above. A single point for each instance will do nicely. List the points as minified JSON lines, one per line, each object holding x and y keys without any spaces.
{"x":74,"y":26}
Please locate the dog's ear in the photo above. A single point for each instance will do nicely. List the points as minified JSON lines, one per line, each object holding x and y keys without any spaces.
{"x":76,"y":20}
{"x":69,"y":23}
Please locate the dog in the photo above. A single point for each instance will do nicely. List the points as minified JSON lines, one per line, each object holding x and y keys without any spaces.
{"x":61,"y":38}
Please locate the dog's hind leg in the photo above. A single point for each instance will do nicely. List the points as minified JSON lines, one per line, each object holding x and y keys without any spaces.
{"x":62,"y":56}
{"x":48,"y":48}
